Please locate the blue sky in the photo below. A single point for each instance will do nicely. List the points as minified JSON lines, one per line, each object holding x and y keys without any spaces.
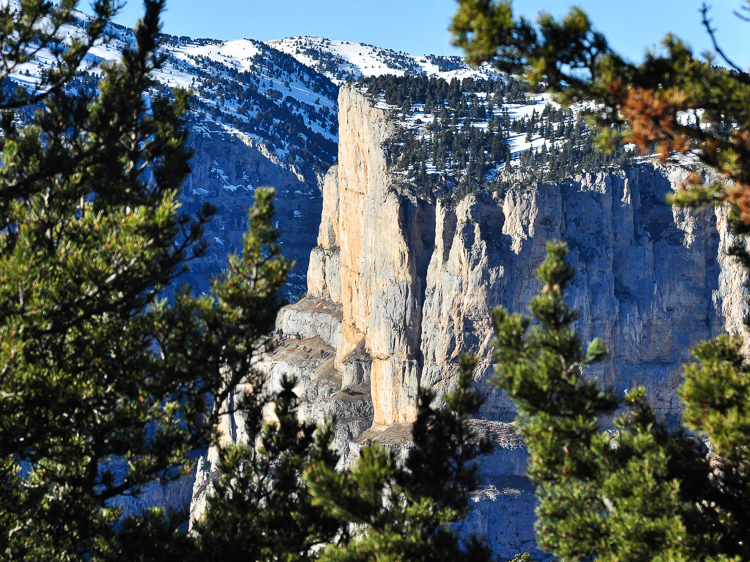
{"x":420,"y":26}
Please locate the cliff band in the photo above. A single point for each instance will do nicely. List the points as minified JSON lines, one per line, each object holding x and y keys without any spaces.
{"x":399,"y":286}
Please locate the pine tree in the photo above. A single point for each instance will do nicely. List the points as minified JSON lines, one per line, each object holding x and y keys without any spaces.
{"x":398,"y":513}
{"x":260,"y":508}
{"x":642,"y":492}
{"x":643,"y":102}
{"x":105,"y":385}
{"x":110,"y":378}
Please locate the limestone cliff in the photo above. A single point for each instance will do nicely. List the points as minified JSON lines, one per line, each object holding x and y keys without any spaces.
{"x":416,"y":281}
{"x":399,"y":287}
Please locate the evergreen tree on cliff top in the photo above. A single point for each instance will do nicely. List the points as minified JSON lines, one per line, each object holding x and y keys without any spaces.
{"x":672,"y":103}
{"x":642,"y":492}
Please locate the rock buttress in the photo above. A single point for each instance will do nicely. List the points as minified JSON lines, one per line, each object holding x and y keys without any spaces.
{"x":399,"y":287}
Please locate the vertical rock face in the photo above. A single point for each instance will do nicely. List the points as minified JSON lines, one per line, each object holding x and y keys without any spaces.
{"x":652,"y":280}
{"x":324,"y":273}
{"x":369,"y":259}
{"x":417,"y":281}
{"x":221,"y":171}
{"x":225,"y":171}
{"x":399,"y":287}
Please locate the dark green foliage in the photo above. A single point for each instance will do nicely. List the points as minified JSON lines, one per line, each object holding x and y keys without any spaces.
{"x":33,"y":26}
{"x":441,"y":463}
{"x":398,"y":513}
{"x":105,"y":386}
{"x":455,"y":136}
{"x":283,"y":499}
{"x":108,"y":383}
{"x":639,"y":492}
{"x":260,"y":508}
{"x":446,"y":64}
{"x":152,"y":536}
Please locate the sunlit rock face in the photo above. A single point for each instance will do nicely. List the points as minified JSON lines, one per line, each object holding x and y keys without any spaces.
{"x":416,"y":281}
{"x":399,"y":287}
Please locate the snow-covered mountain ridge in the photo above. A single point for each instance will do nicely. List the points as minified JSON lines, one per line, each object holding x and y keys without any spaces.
{"x":281,"y":94}
{"x":343,"y":61}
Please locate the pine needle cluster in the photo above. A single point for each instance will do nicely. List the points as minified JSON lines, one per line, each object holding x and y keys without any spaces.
{"x":106,"y":385}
